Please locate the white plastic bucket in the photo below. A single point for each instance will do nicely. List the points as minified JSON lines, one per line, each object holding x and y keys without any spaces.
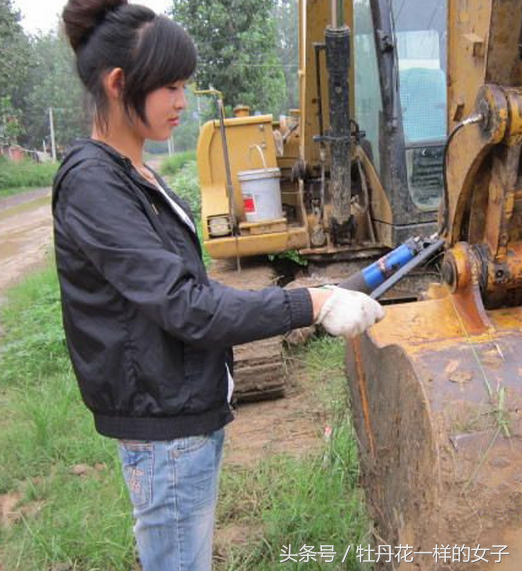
{"x":261,"y":194}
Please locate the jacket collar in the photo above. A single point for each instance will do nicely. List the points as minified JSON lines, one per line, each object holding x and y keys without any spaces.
{"x":111,"y":151}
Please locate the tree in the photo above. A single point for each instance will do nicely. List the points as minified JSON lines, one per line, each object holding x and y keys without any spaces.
{"x":237,"y":48}
{"x":14,"y":66}
{"x":9,"y":122}
{"x":53,"y":82}
{"x":287,"y":25}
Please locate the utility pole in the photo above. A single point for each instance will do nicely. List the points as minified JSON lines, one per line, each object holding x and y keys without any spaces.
{"x":53,"y":142}
{"x":171,"y":146}
{"x":198,"y":102}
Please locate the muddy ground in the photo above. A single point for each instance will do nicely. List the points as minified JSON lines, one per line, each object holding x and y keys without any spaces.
{"x":292,"y":425}
{"x":25,"y":234}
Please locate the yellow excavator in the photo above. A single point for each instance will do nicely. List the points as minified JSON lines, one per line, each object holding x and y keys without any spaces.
{"x":350,"y":175}
{"x":437,"y":386}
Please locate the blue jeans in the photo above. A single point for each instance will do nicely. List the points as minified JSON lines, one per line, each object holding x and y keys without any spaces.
{"x":173,"y":487}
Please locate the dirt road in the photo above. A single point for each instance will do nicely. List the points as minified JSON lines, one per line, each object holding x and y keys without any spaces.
{"x":25,"y":234}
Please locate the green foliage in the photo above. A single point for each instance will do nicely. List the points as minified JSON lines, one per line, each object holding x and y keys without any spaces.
{"x":308,"y":501}
{"x":313,"y":500}
{"x":53,"y":82}
{"x":26,"y":173}
{"x":186,"y":185}
{"x":154,"y":148}
{"x":84,"y":523}
{"x":45,"y":430}
{"x":171,"y":165}
{"x":13,"y":190}
{"x":37,"y":73}
{"x":292,"y":255}
{"x":34,"y":345}
{"x":199,"y":109}
{"x":9,"y":122}
{"x":236,"y":42}
{"x":15,"y":57}
{"x":287,"y":24}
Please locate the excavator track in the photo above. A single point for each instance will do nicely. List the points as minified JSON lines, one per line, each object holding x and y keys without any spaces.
{"x":259,"y":369}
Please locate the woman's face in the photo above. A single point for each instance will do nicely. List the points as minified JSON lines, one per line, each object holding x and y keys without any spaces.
{"x":163,"y":108}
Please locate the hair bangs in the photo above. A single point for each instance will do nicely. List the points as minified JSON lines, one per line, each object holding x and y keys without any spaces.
{"x":165,"y":54}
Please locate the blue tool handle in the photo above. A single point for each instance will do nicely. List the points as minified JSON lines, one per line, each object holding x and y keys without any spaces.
{"x":371,"y":277}
{"x":420,"y":258}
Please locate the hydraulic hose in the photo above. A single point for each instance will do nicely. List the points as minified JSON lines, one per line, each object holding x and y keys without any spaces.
{"x":472,"y":120}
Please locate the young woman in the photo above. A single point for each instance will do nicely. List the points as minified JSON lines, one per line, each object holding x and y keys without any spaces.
{"x":149,"y":334}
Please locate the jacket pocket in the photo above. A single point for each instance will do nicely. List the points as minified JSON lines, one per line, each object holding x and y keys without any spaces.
{"x":205,"y":379}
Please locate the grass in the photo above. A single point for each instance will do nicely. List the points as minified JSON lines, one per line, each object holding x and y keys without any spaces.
{"x":85,"y":521}
{"x":313,"y":501}
{"x":44,"y":432}
{"x":185,"y":184}
{"x":4,"y":192}
{"x":25,"y":174}
{"x":171,"y":165}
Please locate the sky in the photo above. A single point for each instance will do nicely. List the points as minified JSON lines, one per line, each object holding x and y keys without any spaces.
{"x":42,"y":15}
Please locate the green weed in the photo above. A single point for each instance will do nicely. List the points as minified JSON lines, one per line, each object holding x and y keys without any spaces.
{"x":10,"y":191}
{"x":45,"y":432}
{"x":80,"y":520}
{"x":313,"y":501}
{"x":26,"y":173}
{"x":292,"y":255}
{"x":171,"y":165}
{"x":33,"y":348}
{"x":186,"y":185}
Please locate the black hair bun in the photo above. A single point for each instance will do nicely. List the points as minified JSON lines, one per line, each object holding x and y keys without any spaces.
{"x":81,"y":17}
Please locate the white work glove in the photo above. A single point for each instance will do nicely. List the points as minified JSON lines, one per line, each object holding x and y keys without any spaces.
{"x":348,"y":313}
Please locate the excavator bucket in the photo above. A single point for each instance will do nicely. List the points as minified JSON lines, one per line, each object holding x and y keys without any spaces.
{"x":437,"y":411}
{"x":436,"y":386}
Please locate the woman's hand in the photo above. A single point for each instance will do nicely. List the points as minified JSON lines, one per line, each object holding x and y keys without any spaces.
{"x":344,"y":312}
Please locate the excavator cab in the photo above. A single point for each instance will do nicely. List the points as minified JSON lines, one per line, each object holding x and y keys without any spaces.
{"x":399,"y":61}
{"x":420,"y":40}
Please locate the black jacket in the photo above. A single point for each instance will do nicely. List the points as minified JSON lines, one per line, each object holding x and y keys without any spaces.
{"x":148,"y":333}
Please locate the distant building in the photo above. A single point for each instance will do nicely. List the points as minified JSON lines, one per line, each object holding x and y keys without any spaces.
{"x":17,"y":154}
{"x":13,"y":152}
